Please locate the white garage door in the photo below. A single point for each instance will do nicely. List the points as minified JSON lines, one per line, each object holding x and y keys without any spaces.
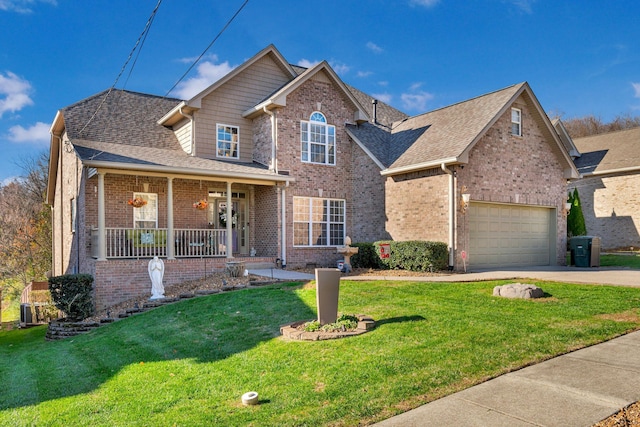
{"x":509,"y":235}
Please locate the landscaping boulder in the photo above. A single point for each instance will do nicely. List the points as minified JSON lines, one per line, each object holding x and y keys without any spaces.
{"x":518,"y":290}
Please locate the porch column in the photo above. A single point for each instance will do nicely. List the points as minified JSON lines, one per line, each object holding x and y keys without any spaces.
{"x":229,"y":222}
{"x":102,"y":243}
{"x":170,"y":234}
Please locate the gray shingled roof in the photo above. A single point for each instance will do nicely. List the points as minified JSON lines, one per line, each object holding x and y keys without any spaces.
{"x":124,"y":130}
{"x":608,"y":152}
{"x":122,"y":117}
{"x":438,"y":135}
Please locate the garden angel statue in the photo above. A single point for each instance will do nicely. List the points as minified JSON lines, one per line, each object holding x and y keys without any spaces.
{"x":156,"y":273}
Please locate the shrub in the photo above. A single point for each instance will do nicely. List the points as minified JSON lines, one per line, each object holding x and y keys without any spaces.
{"x":575,"y":221}
{"x":415,"y":255}
{"x":71,"y":293}
{"x":367,"y":256}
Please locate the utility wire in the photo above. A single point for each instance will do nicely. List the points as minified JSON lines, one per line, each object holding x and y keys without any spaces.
{"x":141,"y":38}
{"x":208,"y":47}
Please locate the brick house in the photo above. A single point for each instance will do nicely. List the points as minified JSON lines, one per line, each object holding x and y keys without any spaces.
{"x":609,"y":164}
{"x":285,"y":162}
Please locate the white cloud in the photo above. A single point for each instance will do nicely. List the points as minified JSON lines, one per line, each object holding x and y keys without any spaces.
{"x":636,"y":89}
{"x":341,"y":69}
{"x":307,"y":64}
{"x":364,"y":74}
{"x":38,"y":134}
{"x":22,"y":6}
{"x":374,"y":47}
{"x":416,"y":101}
{"x":425,"y":3}
{"x":384,"y":97}
{"x":14,"y":93}
{"x":524,"y":5}
{"x":11,"y":179}
{"x":208,"y":73}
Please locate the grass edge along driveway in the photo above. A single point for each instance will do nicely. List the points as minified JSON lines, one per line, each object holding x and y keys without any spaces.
{"x":187,"y":364}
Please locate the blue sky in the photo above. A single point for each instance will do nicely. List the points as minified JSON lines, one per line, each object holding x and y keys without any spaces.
{"x":580,"y":57}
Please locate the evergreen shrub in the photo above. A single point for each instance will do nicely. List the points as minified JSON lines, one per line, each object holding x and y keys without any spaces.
{"x":415,"y":255}
{"x":72,"y":294}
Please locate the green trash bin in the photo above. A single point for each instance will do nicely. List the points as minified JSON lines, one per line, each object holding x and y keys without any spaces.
{"x":582,"y":251}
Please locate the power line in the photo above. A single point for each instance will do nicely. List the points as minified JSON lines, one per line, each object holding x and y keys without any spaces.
{"x":208,"y":47}
{"x":141,"y":38}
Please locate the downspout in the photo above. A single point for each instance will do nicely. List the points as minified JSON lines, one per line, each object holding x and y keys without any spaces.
{"x":274,"y":140}
{"x":193,"y":142}
{"x":284,"y":225}
{"x":452,"y":214}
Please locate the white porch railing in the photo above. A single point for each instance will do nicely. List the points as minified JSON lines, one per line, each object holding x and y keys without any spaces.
{"x":150,"y":242}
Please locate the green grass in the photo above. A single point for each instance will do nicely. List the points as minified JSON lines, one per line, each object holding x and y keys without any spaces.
{"x":631,"y":261}
{"x":189,"y":363}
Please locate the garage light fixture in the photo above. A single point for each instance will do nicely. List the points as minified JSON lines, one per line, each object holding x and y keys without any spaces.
{"x":466,"y":197}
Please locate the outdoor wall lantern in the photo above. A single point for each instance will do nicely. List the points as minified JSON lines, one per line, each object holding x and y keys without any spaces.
{"x":466,"y":197}
{"x":567,"y":208}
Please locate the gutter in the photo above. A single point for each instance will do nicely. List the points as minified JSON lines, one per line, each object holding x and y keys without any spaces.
{"x":420,"y":166}
{"x":187,"y":172}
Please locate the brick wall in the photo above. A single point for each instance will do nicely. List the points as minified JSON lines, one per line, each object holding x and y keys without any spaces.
{"x":367,"y":210}
{"x":610,"y":208}
{"x":417,"y":206}
{"x":120,"y":280}
{"x":317,"y":94}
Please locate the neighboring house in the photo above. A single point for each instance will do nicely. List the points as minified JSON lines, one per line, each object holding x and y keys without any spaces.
{"x":610,"y":186}
{"x":297,"y":160}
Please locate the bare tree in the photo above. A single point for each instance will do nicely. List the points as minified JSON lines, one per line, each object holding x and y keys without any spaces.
{"x":579,"y":127}
{"x":25,"y":225}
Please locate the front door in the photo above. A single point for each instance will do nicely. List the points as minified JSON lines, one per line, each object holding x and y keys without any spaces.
{"x":238,"y":222}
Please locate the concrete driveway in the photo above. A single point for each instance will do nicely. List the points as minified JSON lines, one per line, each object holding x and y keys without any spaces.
{"x":594,"y":275}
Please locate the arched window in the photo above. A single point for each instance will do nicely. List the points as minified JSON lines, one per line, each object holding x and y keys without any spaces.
{"x":318,"y":140}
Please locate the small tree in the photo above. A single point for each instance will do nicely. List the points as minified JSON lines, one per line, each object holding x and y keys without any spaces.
{"x":575,"y":220}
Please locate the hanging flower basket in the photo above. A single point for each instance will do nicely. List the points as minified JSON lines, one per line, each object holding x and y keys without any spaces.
{"x":137,"y":202}
{"x":201,"y":205}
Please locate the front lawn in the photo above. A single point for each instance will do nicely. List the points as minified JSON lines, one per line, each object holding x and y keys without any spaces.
{"x":613,"y":260}
{"x":189,"y":363}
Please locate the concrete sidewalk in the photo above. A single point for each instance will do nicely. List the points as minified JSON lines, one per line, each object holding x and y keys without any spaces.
{"x":576,"y":389}
{"x":280,"y":274}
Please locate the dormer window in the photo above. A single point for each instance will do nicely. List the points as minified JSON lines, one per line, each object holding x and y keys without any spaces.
{"x":228,"y":141}
{"x":318,"y":140}
{"x":516,"y":122}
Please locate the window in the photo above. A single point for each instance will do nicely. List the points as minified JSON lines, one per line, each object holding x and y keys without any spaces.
{"x":228,"y":140}
{"x":318,"y":222}
{"x":318,"y":140}
{"x":516,"y":122}
{"x":146,"y":216}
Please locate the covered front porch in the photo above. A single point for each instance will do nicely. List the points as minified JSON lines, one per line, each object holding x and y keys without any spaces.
{"x":176,"y":216}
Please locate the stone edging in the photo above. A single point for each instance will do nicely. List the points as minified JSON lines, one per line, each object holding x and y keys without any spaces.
{"x":290,"y":331}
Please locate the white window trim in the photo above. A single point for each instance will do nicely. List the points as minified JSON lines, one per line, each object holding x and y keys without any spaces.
{"x":305,"y":140}
{"x":148,"y":197}
{"x":237,"y":143}
{"x":311,"y":238}
{"x":519,"y":123}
